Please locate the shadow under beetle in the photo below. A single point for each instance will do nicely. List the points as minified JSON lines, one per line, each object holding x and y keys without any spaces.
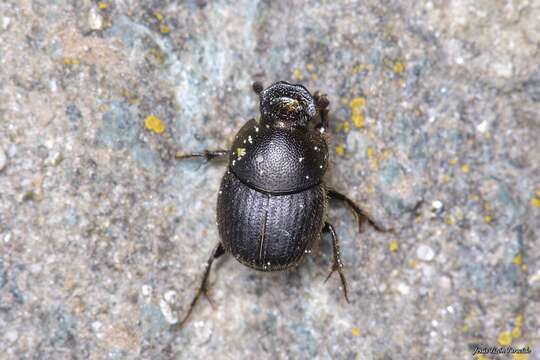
{"x":272,"y":202}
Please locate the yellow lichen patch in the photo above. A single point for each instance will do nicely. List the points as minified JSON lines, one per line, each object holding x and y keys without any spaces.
{"x":537,"y":193}
{"x":516,"y":332}
{"x":159,"y":16}
{"x":164,"y":29}
{"x":446,"y":178}
{"x":535,"y":202}
{"x":505,"y":338}
{"x":481,"y":357}
{"x":346,"y":127}
{"x":393,"y":246}
{"x":355,"y":331}
{"x":465,"y":168}
{"x":373,"y":158}
{"x":340,"y":149}
{"x":465,"y":328}
{"x":520,"y":356}
{"x":240,"y":152}
{"x":519,"y":320}
{"x":357,"y":68}
{"x":488,"y":219}
{"x":314,"y":77}
{"x":385,"y":153}
{"x":517,"y":260}
{"x":358,"y":120}
{"x":297,"y":74}
{"x":357,"y":112}
{"x":153,"y":123}
{"x":454,"y":161}
{"x":103,"y":5}
{"x":310,"y":67}
{"x":71,"y":61}
{"x":399,"y":67}
{"x":449,"y":220}
{"x":358,"y":102}
{"x":169,"y":209}
{"x":156,"y":55}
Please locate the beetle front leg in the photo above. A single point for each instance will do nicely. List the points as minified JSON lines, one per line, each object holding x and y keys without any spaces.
{"x":337,"y":265}
{"x":359,"y":213}
{"x":203,"y":287}
{"x":208,"y":154}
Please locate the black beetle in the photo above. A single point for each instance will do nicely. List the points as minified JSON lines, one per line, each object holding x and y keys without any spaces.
{"x":272,"y":203}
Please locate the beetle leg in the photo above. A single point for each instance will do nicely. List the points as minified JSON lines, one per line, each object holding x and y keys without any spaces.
{"x":203,"y":288}
{"x":208,"y":154}
{"x":359,"y":213}
{"x":337,"y":265}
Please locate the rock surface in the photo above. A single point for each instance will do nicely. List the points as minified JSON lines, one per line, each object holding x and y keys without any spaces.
{"x":435,"y":110}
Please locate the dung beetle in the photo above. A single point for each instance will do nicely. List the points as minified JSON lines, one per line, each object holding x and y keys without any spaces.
{"x":272,"y":202}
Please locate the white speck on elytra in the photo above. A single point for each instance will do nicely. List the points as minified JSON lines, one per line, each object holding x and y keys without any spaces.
{"x":300,"y":159}
{"x":233,"y":162}
{"x":267,"y":126}
{"x":244,"y":141}
{"x":320,"y":166}
{"x":250,"y":139}
{"x":256,"y":129}
{"x":307,"y":177}
{"x":316,"y":148}
{"x":321,"y":130}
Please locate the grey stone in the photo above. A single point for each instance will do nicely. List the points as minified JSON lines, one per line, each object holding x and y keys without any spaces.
{"x":100,"y":226}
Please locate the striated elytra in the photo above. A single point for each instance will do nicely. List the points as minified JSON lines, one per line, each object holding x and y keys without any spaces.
{"x":272,"y":203}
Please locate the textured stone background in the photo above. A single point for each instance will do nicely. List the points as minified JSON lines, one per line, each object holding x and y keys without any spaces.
{"x":103,"y":235}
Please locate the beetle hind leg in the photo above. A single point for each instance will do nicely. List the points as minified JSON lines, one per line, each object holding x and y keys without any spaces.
{"x":338,"y":264}
{"x":203,"y":287}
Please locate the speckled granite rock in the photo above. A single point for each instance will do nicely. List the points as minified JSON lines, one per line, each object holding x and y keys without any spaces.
{"x":103,"y":235}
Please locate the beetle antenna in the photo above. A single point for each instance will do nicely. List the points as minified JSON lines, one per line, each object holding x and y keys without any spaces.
{"x":322,"y":107}
{"x":257,"y":87}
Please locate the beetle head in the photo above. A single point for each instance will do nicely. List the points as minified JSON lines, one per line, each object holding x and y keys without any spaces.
{"x":284,"y":104}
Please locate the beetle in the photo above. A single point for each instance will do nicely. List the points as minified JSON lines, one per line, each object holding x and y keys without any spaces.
{"x":272,"y":202}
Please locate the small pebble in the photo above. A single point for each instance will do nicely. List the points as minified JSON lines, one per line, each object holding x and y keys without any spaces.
{"x":167,"y":312}
{"x":424,"y":252}
{"x":170,"y":296}
{"x":5,"y":22}
{"x":403,"y":288}
{"x":95,"y":20}
{"x":146,"y":290}
{"x":3,"y":160}
{"x":437,"y":205}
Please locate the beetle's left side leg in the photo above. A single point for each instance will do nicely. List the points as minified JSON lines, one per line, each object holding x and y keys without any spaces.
{"x":208,"y":154}
{"x":338,"y":264}
{"x":203,"y":287}
{"x":359,"y":213}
